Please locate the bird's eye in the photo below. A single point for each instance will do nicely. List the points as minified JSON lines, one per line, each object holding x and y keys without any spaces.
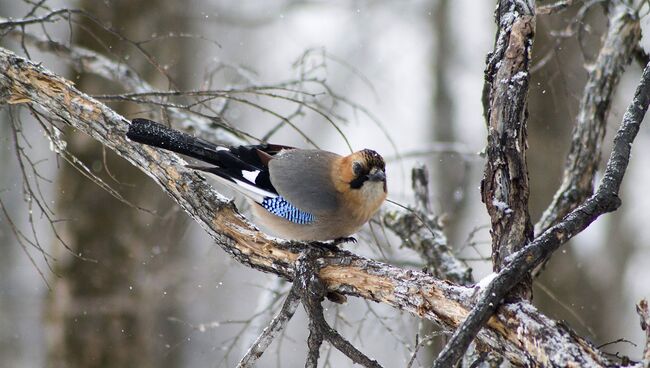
{"x":356,"y":168}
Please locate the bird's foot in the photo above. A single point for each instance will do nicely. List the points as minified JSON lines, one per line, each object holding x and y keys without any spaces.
{"x":347,"y":239}
{"x":327,"y":246}
{"x":333,"y":245}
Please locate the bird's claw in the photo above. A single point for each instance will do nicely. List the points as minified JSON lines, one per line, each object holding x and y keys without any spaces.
{"x":347,"y":239}
{"x":333,"y":244}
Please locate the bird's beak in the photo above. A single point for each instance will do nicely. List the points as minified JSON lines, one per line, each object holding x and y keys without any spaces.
{"x":377,"y":175}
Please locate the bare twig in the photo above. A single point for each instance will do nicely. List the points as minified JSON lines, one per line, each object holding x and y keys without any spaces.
{"x":556,"y":7}
{"x":22,"y":239}
{"x":313,"y":292}
{"x":583,"y":159}
{"x":604,"y":200}
{"x":270,"y":293}
{"x":420,"y":230}
{"x":419,"y":344}
{"x":87,"y":61}
{"x":644,"y":313}
{"x":52,"y":16}
{"x":277,"y":324}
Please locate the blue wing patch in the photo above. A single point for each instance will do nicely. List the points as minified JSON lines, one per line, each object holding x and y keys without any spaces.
{"x":280,"y":207}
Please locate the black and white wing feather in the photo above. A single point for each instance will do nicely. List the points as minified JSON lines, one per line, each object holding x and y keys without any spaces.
{"x":245,"y":167}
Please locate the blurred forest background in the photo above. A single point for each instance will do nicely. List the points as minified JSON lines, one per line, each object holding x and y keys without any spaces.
{"x":161,"y":295}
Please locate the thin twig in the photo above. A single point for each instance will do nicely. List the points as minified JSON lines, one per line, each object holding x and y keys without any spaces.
{"x":644,"y":313}
{"x":420,"y":230}
{"x":582,"y":161}
{"x":555,"y":8}
{"x":313,"y":292}
{"x":277,"y":324}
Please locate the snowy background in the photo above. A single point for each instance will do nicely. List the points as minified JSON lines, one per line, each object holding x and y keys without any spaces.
{"x":184,"y":303}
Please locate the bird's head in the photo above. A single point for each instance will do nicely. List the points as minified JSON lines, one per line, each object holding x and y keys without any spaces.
{"x":362,"y":180}
{"x":366,"y":169}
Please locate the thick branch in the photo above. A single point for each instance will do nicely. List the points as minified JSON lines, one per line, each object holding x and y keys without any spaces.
{"x":582,"y":161}
{"x":518,"y":331}
{"x":604,"y":200}
{"x":504,"y":188}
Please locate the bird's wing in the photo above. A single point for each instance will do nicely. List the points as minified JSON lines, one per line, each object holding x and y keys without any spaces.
{"x":304,"y":178}
{"x":245,"y":166}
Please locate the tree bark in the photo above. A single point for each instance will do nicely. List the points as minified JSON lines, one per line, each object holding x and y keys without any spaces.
{"x":504,"y":188}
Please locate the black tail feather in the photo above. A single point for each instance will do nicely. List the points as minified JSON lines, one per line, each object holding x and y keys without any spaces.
{"x":230,"y":162}
{"x":155,"y":134}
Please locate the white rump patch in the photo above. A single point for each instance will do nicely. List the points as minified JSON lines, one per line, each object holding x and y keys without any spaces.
{"x":250,"y":175}
{"x":251,"y":191}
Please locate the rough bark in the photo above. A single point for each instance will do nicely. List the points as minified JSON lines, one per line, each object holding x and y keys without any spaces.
{"x":518,"y":331}
{"x":504,"y":188}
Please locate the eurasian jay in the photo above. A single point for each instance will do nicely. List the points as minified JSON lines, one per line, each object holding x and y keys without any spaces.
{"x":298,"y":194}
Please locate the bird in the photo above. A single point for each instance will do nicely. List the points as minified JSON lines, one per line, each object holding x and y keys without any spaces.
{"x":296,"y":194}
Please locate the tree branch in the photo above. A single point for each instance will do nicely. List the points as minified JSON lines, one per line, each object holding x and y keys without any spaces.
{"x":84,"y":60}
{"x":314,"y":342}
{"x":604,"y":200}
{"x":313,"y":292}
{"x":518,"y":331}
{"x":582,"y":162}
{"x":644,"y":313}
{"x":49,"y":17}
{"x":555,"y":8}
{"x":504,"y":188}
{"x":277,"y":324}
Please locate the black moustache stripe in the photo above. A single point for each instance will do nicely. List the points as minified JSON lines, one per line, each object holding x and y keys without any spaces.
{"x":358,"y":182}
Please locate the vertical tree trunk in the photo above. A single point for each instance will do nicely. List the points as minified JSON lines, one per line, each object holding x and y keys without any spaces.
{"x":113,"y":313}
{"x":504,"y":188}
